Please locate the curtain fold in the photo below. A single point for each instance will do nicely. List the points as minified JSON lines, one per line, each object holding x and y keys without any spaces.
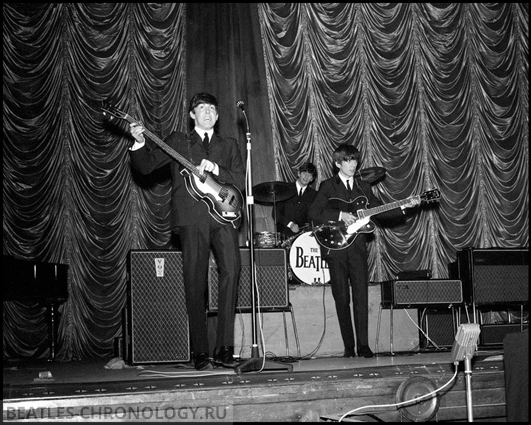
{"x":71,"y":196}
{"x":431,"y":93}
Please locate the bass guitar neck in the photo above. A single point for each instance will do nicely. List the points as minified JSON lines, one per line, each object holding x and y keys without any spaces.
{"x":224,"y":201}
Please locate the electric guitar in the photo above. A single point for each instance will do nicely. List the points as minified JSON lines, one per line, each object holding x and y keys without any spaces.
{"x":224,"y":201}
{"x":336,"y":235}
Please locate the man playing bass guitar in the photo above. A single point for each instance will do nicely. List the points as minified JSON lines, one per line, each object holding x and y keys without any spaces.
{"x":205,"y":214}
{"x":337,"y":201}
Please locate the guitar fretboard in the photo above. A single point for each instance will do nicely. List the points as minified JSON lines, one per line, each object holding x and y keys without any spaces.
{"x":380,"y":209}
{"x":168,"y":149}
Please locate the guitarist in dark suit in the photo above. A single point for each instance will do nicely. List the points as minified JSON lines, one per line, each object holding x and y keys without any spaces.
{"x":349,"y":270}
{"x":199,"y":229}
{"x":292,"y":214}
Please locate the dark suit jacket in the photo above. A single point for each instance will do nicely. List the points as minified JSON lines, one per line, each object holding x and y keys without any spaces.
{"x":294,"y":209}
{"x":223,"y":151}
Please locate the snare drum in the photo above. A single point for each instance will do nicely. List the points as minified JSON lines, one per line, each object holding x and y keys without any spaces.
{"x":267,"y":239}
{"x":305,"y":260}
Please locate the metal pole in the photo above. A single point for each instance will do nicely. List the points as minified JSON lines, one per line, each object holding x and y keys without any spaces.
{"x":468,"y":383}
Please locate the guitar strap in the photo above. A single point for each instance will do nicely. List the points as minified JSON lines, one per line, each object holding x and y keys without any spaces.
{"x":367,"y":204}
{"x":189,"y":144}
{"x":360,"y":188}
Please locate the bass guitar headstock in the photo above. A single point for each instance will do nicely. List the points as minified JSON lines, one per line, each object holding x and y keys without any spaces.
{"x":113,"y":112}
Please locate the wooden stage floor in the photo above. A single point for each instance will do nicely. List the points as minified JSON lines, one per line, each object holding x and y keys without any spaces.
{"x":317,"y":389}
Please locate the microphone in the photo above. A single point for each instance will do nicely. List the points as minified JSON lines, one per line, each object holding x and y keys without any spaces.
{"x":240,"y":104}
{"x":465,"y":342}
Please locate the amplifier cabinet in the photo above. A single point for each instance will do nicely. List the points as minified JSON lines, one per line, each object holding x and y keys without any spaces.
{"x":495,"y":334}
{"x":408,"y":293}
{"x":271,"y":279}
{"x":156,"y":328}
{"x":438,"y":326}
{"x":494,"y":275}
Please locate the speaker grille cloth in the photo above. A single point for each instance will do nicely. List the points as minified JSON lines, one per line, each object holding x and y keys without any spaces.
{"x":271,"y":280}
{"x":439,"y":326}
{"x":501,"y":283}
{"x":432,"y":291}
{"x":159,"y":322}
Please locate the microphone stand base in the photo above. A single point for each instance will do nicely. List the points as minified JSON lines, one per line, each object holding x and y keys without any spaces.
{"x":257,"y":364}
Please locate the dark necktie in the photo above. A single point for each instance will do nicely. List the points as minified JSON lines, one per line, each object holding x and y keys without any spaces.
{"x":349,"y":189}
{"x":205,"y":142}
{"x":300,"y":193}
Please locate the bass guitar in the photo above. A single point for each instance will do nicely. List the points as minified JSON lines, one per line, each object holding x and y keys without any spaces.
{"x":336,"y":235}
{"x":224,"y":201}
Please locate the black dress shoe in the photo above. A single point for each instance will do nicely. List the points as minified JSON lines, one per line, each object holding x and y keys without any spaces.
{"x":225,"y":357}
{"x":365,"y":351}
{"x":349,"y":352}
{"x":202,"y":362}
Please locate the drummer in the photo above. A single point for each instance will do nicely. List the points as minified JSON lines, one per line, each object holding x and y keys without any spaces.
{"x":292,"y":214}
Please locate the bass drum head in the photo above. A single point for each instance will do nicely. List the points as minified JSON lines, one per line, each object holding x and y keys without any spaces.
{"x":305,"y":261}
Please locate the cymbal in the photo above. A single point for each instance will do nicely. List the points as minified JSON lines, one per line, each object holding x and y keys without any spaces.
{"x":273,"y":191}
{"x":371,"y":174}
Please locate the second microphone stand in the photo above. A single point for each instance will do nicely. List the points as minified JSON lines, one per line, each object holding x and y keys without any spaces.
{"x":255,"y":363}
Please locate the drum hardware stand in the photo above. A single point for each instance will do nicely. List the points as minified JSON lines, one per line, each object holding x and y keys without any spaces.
{"x":274,"y":192}
{"x":275,"y":220}
{"x":391,"y":353}
{"x":255,"y":363}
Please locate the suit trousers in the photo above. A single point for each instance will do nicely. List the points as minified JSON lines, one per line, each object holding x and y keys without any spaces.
{"x":349,"y":272}
{"x":196,"y":244}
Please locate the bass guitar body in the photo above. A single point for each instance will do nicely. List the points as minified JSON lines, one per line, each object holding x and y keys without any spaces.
{"x":224,"y":201}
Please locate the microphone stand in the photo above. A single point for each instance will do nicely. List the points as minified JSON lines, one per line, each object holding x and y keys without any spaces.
{"x":463,"y":349}
{"x":255,"y":363}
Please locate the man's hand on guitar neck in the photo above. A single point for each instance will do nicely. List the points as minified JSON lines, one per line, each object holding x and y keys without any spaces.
{"x":413,"y":202}
{"x":136,"y":131}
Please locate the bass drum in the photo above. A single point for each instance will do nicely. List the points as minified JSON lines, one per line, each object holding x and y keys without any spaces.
{"x":305,"y":261}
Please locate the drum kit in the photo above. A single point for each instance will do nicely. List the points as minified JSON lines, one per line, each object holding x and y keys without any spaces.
{"x":304,"y":253}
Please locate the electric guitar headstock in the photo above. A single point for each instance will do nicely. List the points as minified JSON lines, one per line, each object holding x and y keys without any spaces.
{"x":432,"y":195}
